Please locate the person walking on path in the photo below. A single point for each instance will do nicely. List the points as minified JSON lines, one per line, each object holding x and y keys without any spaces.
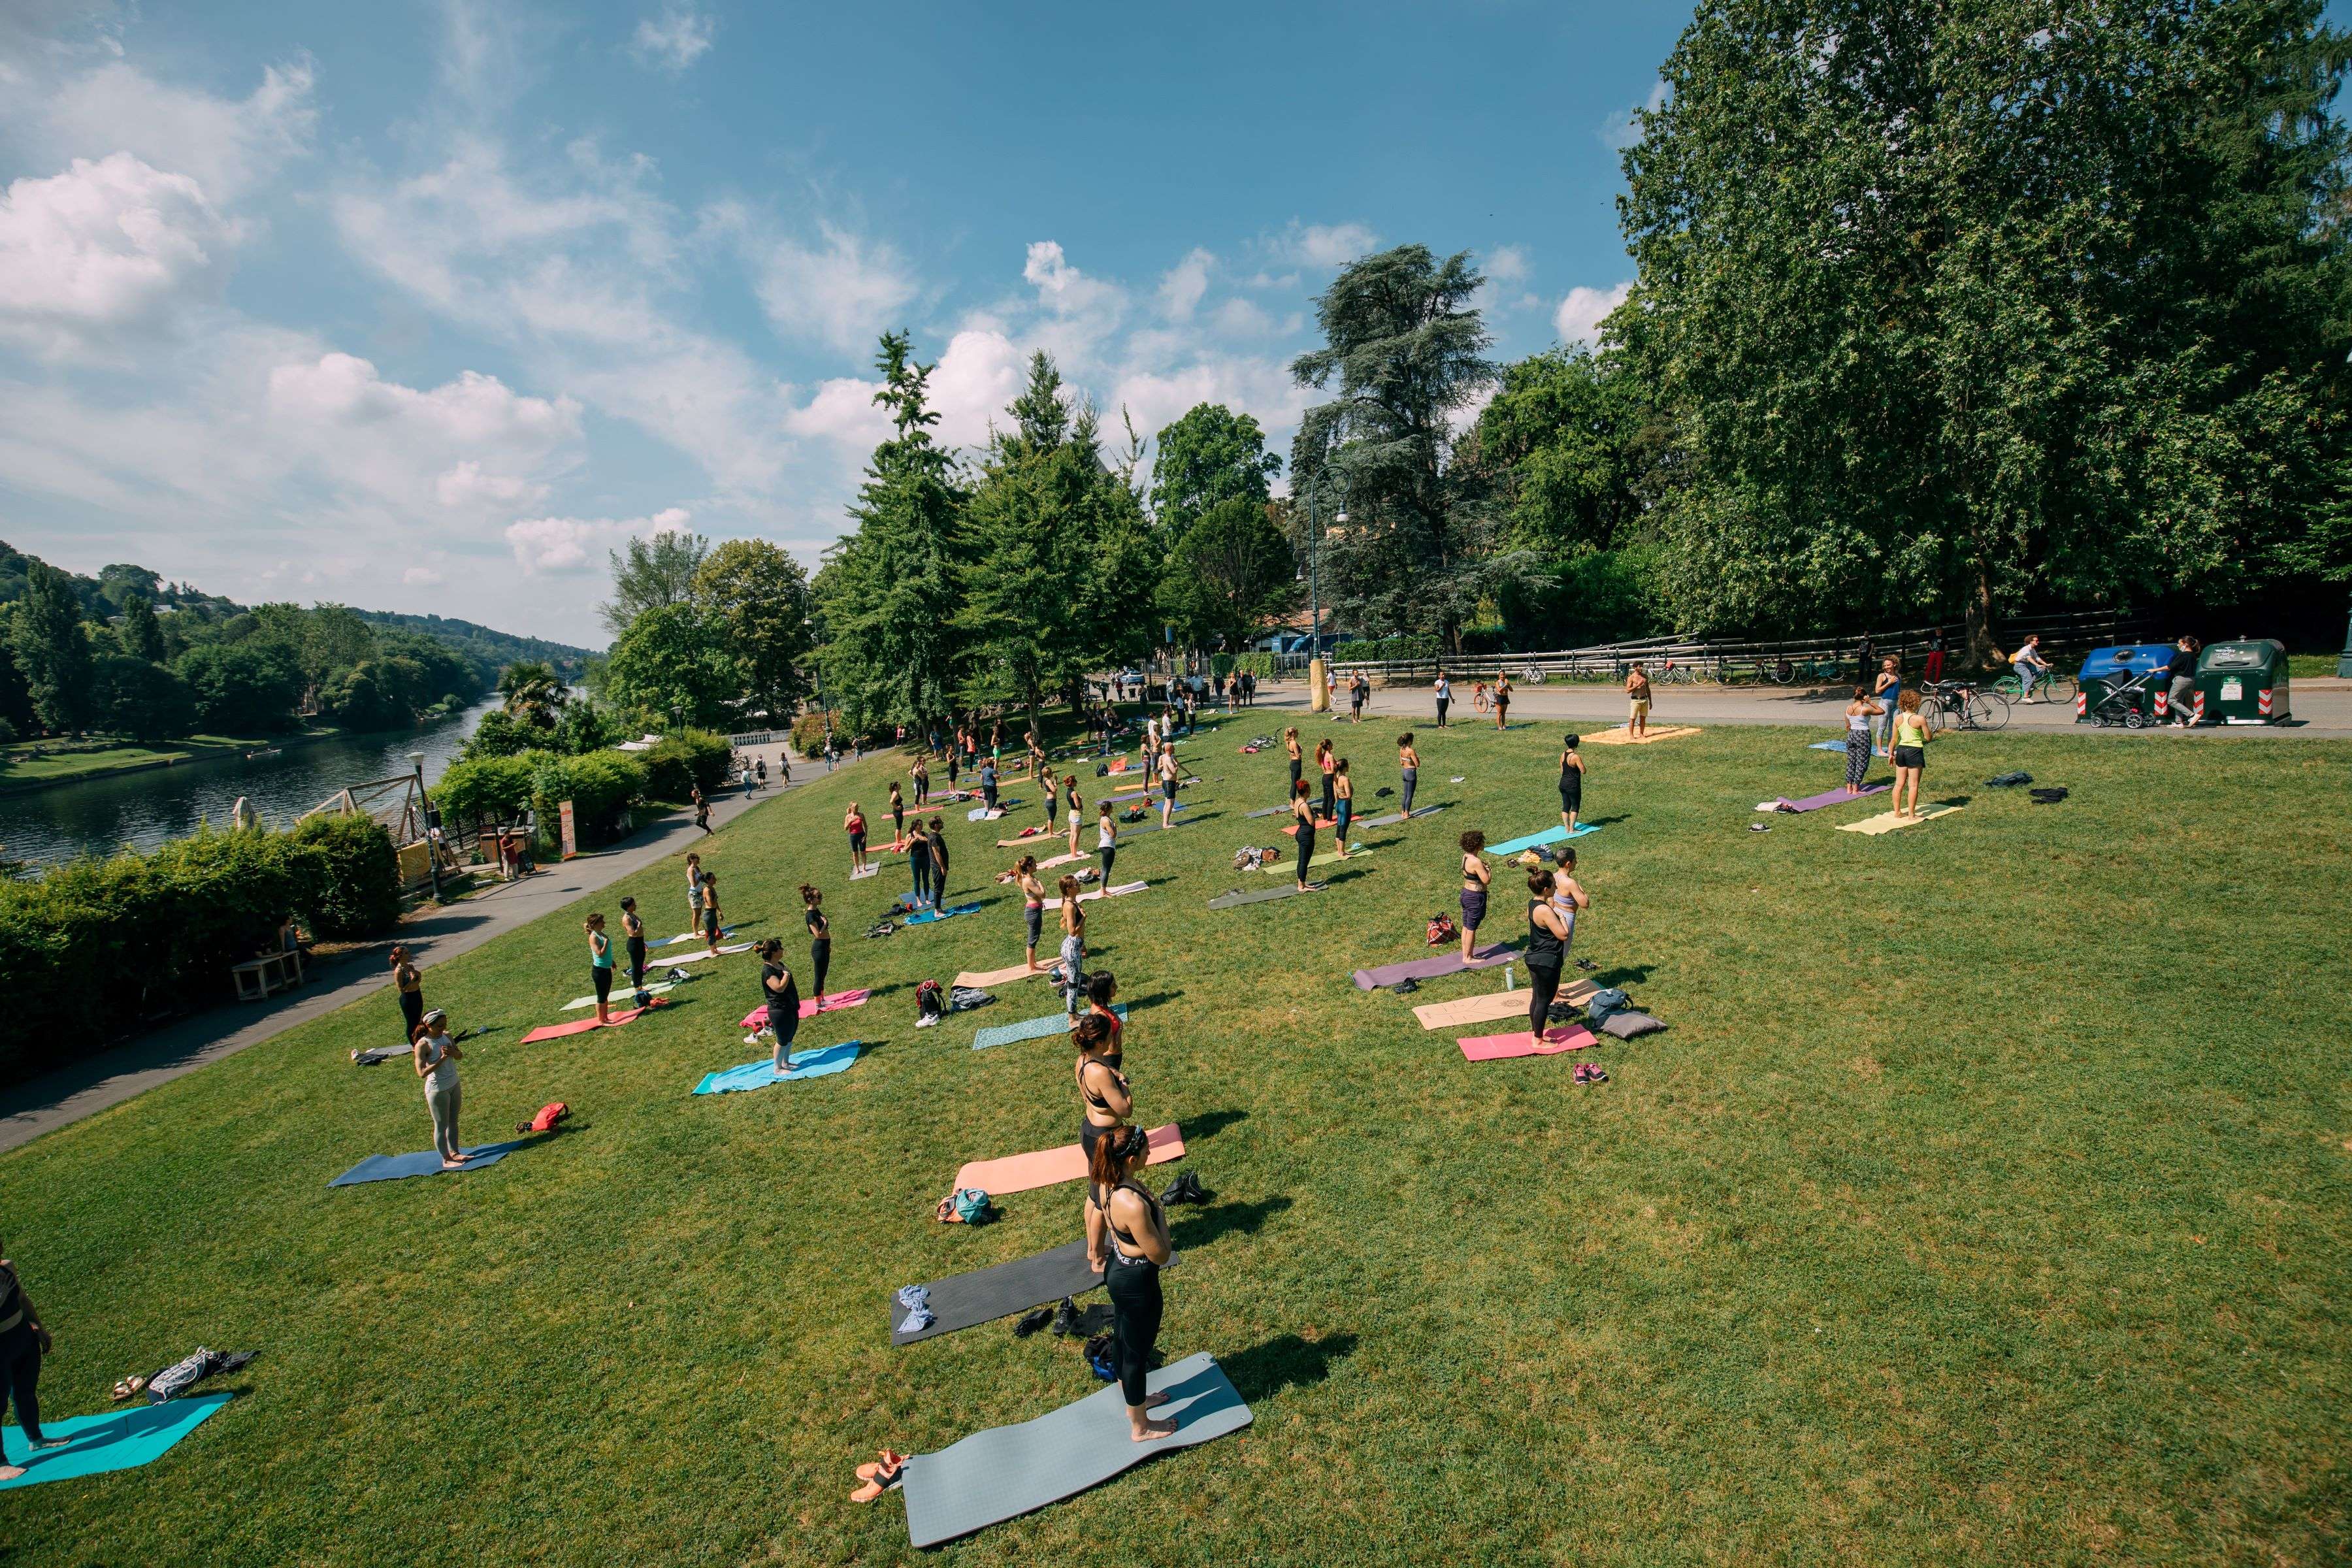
{"x":1908,"y":736}
{"x":1502,"y":702}
{"x":408,"y":983}
{"x":436,"y":1064}
{"x":1637,"y":702}
{"x":600,"y":965}
{"x":1858,"y":715}
{"x":2182,"y":672}
{"x":701,"y":809}
{"x":1571,"y":783}
{"x":1476,"y":882}
{"x":1407,"y":770}
{"x":1444,"y":692}
{"x":1934,"y":671}
{"x":1127,"y":1239}
{"x":24,"y":1341}
{"x":1887,"y":688}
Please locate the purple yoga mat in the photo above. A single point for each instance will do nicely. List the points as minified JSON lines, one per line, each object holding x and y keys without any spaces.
{"x":1827,"y":797}
{"x":1431,"y":968}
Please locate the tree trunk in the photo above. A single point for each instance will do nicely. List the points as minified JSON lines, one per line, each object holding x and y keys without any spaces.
{"x":1982,"y":652}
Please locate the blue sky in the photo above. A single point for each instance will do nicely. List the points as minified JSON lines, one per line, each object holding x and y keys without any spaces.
{"x":427,"y":305}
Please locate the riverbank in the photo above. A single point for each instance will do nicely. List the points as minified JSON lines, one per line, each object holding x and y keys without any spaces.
{"x":48,"y":770}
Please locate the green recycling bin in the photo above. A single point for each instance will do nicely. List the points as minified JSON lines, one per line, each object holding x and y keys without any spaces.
{"x":2243,"y":683}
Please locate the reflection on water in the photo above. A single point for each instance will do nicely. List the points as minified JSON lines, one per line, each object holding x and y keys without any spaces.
{"x":143,"y":809}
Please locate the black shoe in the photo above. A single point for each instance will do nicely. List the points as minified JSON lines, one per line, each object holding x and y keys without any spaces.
{"x":1032,"y":1321}
{"x":1185,"y":1189}
{"x":1586,"y":965}
{"x":1065,"y":1318}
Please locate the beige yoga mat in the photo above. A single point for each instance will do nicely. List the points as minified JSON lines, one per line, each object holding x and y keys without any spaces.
{"x":1102,"y":893}
{"x":1887,"y":822}
{"x":1493,"y":1005}
{"x":1051,"y":1167}
{"x":981,"y":979}
{"x":698,"y":957}
{"x":1621,"y":736}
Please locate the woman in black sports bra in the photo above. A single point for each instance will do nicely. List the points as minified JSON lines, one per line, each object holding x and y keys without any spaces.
{"x":1302,"y":809}
{"x":1547,"y":949}
{"x":1126,"y":1238}
{"x":820,"y":931}
{"x":1103,"y":1093}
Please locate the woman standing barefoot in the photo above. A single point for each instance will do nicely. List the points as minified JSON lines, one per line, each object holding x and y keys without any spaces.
{"x":436,"y":1063}
{"x":1408,"y":769}
{"x":1327,"y":765}
{"x":820,"y":931}
{"x":1547,"y":951}
{"x":408,"y":981}
{"x":1907,"y":742}
{"x":852,"y":823}
{"x":600,"y":966}
{"x":1297,"y":758}
{"x":1302,"y":811}
{"x":1858,"y":715}
{"x":632,"y":931}
{"x":1076,"y":807}
{"x":1127,"y":1237}
{"x":23,"y":1342}
{"x":710,"y":915}
{"x":1106,"y":839}
{"x":1033,"y":902}
{"x":1343,"y":806}
{"x":1476,"y":881}
{"x":897,"y":819}
{"x":1072,"y":957}
{"x":1571,"y":783}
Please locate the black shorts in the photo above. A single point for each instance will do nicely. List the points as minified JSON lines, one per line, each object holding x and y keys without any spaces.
{"x":1168,"y":788}
{"x":1911,"y":757}
{"x":1089,"y":1135}
{"x":1036,"y":918}
{"x":1572,"y":798}
{"x":857,"y":843}
{"x":1474,"y":909}
{"x":785,"y":1022}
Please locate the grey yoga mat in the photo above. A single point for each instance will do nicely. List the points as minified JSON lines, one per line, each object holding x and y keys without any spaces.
{"x":1396,"y":817}
{"x":1032,"y":1028}
{"x":984,"y":1295}
{"x":1450,"y":962}
{"x":1007,"y":1472}
{"x":1234,"y":900}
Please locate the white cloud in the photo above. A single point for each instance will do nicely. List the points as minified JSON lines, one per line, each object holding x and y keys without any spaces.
{"x":1508,"y":264}
{"x":843,"y":411}
{"x":982,"y":371}
{"x":105,"y":247}
{"x":1182,"y":287}
{"x":1325,"y":244}
{"x":843,"y":292}
{"x":1242,"y":319}
{"x":675,"y":39}
{"x":1623,"y":128}
{"x":1081,"y":311}
{"x":567,"y":543}
{"x":474,"y":409}
{"x":228,"y":145}
{"x":420,"y":577}
{"x":1578,"y":320}
{"x":467,"y":486}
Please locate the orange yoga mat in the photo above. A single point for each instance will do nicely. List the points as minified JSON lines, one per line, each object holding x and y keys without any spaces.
{"x":1621,"y":736}
{"x":981,"y":979}
{"x":1050,"y":1167}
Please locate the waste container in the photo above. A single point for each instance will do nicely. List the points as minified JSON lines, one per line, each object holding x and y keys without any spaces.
{"x":2243,"y":683}
{"x":2134,"y":672}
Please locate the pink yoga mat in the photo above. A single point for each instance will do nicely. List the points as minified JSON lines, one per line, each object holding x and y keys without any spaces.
{"x":1049,"y":1167}
{"x":581,"y":1025}
{"x":833,"y":1002}
{"x":1449,"y":962}
{"x":1827,"y":797}
{"x":1320,"y":823}
{"x":1500,"y":1047}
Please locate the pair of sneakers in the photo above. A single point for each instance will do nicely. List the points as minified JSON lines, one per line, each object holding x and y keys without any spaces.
{"x":1592,"y":1072}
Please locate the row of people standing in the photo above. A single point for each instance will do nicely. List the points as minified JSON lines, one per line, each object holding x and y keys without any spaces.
{"x":1128,"y":1238}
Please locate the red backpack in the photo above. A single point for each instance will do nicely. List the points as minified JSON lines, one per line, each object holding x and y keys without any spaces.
{"x":554,"y":1111}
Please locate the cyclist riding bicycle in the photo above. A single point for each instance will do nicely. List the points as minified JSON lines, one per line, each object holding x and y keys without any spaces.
{"x":2030,"y":665}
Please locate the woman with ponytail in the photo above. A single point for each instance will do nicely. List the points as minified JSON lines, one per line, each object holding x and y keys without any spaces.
{"x":1126,"y":1238}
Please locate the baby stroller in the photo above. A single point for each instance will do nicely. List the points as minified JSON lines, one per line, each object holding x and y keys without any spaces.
{"x":2123,"y":697}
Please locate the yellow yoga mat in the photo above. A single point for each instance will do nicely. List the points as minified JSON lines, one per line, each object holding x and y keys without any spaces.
{"x":1621,"y":736}
{"x":1491,"y":1005}
{"x":1887,"y":822}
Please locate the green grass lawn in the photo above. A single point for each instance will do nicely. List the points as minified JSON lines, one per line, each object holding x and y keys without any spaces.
{"x":1987,"y":1202}
{"x":52,"y":764}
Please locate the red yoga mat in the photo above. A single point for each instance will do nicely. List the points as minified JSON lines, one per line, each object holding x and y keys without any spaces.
{"x":581,"y":1025}
{"x":1500,"y":1047}
{"x":1320,"y":823}
{"x":832,"y":1002}
{"x":1050,"y":1167}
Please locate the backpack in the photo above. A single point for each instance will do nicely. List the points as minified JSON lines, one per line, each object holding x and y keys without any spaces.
{"x":554,"y":1111}
{"x":1441,"y":929}
{"x":678,"y":976}
{"x":1097,"y":1351}
{"x":1601,"y":1004}
{"x":965,"y":1206}
{"x":929,"y":1000}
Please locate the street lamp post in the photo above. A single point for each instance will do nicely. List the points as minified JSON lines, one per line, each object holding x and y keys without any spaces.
{"x":1318,"y":680}
{"x":425,"y":822}
{"x":2343,"y":660}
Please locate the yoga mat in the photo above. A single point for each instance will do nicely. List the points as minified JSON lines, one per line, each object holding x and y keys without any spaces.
{"x":1290,"y":867}
{"x":1044,"y":834}
{"x":1269,"y":811}
{"x":1621,"y":737}
{"x":1063,"y":860}
{"x":689,"y":936}
{"x":1113,"y":893}
{"x":832,"y":1002}
{"x":1234,"y":900}
{"x":113,"y":1439}
{"x":1537,"y":840}
{"x":982,"y":814}
{"x":984,"y":1295}
{"x":581,"y":1025}
{"x":1007,"y":1472}
{"x":821,"y":1062}
{"x":1827,"y":797}
{"x":1491,"y":1005}
{"x":1320,"y":823}
{"x":621,"y":988}
{"x":1500,"y":1047}
{"x":926,"y":917}
{"x":1826,"y":746}
{"x":1051,"y":1167}
{"x":1888,"y":822}
{"x":981,"y":979}
{"x":1430,"y":968}
{"x":1394,"y":817}
{"x":393,"y":1167}
{"x":698,"y":957}
{"x":869,"y":871}
{"x":1032,"y":1028}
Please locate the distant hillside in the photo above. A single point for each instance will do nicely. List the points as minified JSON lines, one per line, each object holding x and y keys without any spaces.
{"x":496,"y":649}
{"x":102,"y":597}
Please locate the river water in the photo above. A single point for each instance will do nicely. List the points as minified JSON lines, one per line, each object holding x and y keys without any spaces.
{"x":97,"y":817}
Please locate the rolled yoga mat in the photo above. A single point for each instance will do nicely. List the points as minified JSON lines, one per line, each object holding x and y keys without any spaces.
{"x":1888,"y":822}
{"x":392,"y":1167}
{"x":1827,"y":797}
{"x":1032,"y":1028}
{"x":1051,"y":1167}
{"x":1007,"y":1472}
{"x":1501,"y":1048}
{"x":1537,"y":840}
{"x":823,"y":1061}
{"x":832,"y":1002}
{"x":112,"y":1440}
{"x":1448,"y":963}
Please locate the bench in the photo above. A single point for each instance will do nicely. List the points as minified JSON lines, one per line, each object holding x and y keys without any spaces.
{"x":258,"y":978}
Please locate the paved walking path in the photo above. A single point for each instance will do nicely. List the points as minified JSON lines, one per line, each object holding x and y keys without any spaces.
{"x":86,"y":1087}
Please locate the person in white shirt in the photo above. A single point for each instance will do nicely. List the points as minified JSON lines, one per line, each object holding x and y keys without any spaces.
{"x":2030,"y":666}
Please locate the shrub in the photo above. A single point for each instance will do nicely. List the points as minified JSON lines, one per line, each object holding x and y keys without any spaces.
{"x":1385,"y":650}
{"x":600,"y":786}
{"x":358,"y":889}
{"x":499,"y":733}
{"x":808,"y":735}
{"x":486,"y":788}
{"x":681,"y":761}
{"x":1258,"y":664}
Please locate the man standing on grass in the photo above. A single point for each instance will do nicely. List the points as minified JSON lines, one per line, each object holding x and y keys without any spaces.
{"x":1637,"y":702}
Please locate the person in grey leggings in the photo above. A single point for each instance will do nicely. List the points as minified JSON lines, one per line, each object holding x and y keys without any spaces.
{"x":436,"y":1064}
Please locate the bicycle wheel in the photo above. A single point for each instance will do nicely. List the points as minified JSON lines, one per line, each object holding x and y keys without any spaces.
{"x":1988,"y":710}
{"x":2061,"y":688}
{"x":1932,"y":714}
{"x":2009,"y":686}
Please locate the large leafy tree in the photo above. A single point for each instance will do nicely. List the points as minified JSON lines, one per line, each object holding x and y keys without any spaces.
{"x":1564,"y":437}
{"x":651,"y":572}
{"x":673,"y":663}
{"x":1229,"y":571}
{"x":1406,"y":348}
{"x":143,"y":634}
{"x":1958,"y":305}
{"x":529,"y":691}
{"x":893,"y":651}
{"x":51,"y":649}
{"x":1210,"y":456}
{"x":762,"y":596}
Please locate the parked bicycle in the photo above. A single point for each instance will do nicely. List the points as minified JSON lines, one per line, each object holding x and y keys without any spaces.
{"x":1961,"y":705}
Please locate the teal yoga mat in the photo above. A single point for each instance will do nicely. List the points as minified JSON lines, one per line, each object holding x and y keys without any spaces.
{"x":820,"y":1062}
{"x":1032,"y":1028}
{"x":1537,"y":840}
{"x":426,"y":1162}
{"x":930,"y":917}
{"x":116,"y":1440}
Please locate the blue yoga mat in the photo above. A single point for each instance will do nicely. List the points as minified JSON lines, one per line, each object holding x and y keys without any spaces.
{"x":392,"y":1167}
{"x":1826,"y":746}
{"x":1031,"y":1028}
{"x":926,"y":917}
{"x":1537,"y":840}
{"x":820,"y":1062}
{"x":116,"y":1440}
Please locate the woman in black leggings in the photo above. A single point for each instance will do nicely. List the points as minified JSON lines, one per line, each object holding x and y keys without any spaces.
{"x":1126,"y":1238}
{"x":820,"y":931}
{"x":24,"y":1342}
{"x":1302,"y":809}
{"x":1547,"y":951}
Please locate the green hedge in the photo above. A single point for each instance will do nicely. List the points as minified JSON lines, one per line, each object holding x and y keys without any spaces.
{"x":95,"y":948}
{"x":600,"y":786}
{"x":492,"y":789}
{"x":1385,"y":650}
{"x":808,"y":735}
{"x":681,"y":761}
{"x":1228,"y":664}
